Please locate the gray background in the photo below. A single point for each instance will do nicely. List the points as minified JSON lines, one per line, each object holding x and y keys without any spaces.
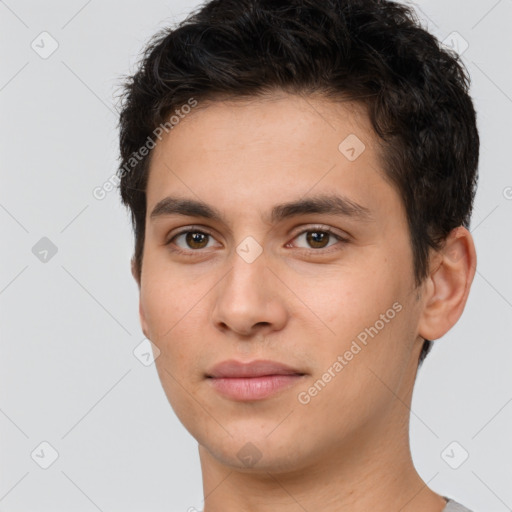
{"x":69,"y":325}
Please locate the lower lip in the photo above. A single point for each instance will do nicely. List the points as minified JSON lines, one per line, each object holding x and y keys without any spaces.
{"x":254,"y":388}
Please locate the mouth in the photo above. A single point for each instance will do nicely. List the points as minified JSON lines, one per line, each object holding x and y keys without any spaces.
{"x":254,"y":380}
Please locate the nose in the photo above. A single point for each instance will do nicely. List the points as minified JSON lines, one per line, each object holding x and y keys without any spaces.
{"x":249,"y":299}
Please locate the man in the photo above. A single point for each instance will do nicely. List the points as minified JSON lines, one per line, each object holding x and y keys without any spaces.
{"x":301,"y":176}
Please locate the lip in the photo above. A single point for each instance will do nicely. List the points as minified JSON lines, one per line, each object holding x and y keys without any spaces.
{"x":257,"y":368}
{"x":255,"y":380}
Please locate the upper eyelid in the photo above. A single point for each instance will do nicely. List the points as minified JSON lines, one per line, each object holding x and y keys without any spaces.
{"x":319,"y":227}
{"x":340,"y":238}
{"x":189,"y":229}
{"x":322,"y":227}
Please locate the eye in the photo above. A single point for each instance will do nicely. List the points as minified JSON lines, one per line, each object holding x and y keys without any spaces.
{"x":193,"y":240}
{"x":319,"y":238}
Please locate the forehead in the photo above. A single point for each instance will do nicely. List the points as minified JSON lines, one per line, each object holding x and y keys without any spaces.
{"x":261,"y":151}
{"x":254,"y":122}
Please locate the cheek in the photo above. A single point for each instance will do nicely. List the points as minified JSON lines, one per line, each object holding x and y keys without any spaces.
{"x":345,"y":301}
{"x":369,"y":320}
{"x":177,"y":308}
{"x":166,"y":296}
{"x":168,"y":313}
{"x":358,"y":375}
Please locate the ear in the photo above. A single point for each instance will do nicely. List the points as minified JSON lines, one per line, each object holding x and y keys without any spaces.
{"x":142,"y":317}
{"x":135,"y":275}
{"x":447,"y":287}
{"x":143,"y":322}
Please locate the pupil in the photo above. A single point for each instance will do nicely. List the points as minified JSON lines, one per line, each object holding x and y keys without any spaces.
{"x":195,"y":238}
{"x":316,"y":237}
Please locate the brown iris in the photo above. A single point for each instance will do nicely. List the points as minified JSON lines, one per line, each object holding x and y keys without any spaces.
{"x":317,"y":237}
{"x":193,"y":238}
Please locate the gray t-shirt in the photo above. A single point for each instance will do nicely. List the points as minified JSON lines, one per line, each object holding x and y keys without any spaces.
{"x":453,"y":506}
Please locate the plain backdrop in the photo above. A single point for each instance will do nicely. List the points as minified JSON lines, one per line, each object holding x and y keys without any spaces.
{"x":77,"y":394}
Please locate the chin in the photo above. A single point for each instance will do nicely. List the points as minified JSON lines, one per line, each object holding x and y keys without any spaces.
{"x":254,"y":451}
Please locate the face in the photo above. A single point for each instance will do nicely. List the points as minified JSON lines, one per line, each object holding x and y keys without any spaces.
{"x":324,"y":287}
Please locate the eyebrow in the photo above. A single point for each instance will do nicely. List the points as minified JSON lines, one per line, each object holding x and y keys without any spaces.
{"x":319,"y":204}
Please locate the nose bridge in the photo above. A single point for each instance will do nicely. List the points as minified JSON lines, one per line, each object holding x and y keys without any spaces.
{"x":245,"y":283}
{"x":247,"y":296}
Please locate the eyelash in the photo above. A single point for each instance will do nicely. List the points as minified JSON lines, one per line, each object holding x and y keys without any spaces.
{"x":321,"y":229}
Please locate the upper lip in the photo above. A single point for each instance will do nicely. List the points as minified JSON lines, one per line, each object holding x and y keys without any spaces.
{"x":260,"y":368}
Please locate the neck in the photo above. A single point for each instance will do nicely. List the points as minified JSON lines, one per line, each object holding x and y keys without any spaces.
{"x":371,"y":471}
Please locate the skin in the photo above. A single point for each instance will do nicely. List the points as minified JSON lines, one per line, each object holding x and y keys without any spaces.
{"x":348,"y":448}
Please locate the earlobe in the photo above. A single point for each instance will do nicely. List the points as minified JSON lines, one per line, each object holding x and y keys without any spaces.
{"x":142,"y":317}
{"x":448,"y":285}
{"x":133,"y":268}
